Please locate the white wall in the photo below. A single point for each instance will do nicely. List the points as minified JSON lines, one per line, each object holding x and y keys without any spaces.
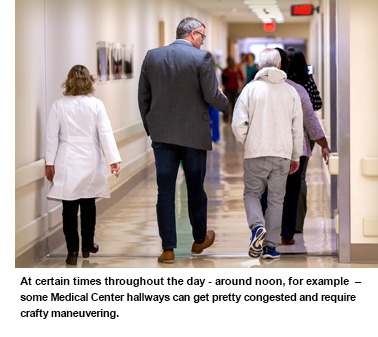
{"x":364,"y":116}
{"x":319,"y":56}
{"x":51,"y":37}
{"x":30,"y":118}
{"x":327,"y":65}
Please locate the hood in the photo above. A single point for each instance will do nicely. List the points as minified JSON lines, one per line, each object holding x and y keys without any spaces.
{"x":272,"y":75}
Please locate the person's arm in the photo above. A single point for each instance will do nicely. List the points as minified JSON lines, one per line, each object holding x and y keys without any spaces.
{"x":52,"y":141}
{"x":50,"y":172}
{"x":240,"y":118}
{"x":294,"y":166}
{"x":114,"y":169}
{"x":241,"y":76}
{"x":314,"y":95}
{"x":325,"y":149}
{"x":313,"y":128}
{"x":209,"y":85}
{"x":297,"y":128}
{"x":144,"y":94}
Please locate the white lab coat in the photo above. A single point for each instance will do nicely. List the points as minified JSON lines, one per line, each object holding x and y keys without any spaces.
{"x":77,"y":126}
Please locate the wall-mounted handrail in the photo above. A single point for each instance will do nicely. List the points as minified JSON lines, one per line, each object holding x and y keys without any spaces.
{"x":35,"y":171}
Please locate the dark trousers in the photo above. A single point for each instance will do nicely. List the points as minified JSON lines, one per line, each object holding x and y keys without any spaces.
{"x":302,"y":202}
{"x":232,"y":96}
{"x":289,"y":211}
{"x":167,"y":162}
{"x":70,"y":224}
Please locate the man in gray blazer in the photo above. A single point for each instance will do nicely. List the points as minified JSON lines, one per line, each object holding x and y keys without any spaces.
{"x":176,"y":86}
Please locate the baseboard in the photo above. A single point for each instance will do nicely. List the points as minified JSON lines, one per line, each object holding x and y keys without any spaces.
{"x":55,"y":240}
{"x":364,"y":253}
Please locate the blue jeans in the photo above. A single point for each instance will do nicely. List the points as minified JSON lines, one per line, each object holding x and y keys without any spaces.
{"x":167,"y":162}
{"x":214,"y":123}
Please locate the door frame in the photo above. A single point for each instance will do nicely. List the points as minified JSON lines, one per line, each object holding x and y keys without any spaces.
{"x":343,"y":128}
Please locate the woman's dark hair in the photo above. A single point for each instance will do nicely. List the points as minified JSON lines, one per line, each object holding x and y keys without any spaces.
{"x":298,"y":71}
{"x":79,"y":82}
{"x":284,"y":60}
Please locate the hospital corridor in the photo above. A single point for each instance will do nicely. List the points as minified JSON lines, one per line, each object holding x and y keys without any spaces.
{"x":111,"y":38}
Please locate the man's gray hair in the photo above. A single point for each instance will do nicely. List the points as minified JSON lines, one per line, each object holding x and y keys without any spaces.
{"x":269,"y":58}
{"x":186,"y":26}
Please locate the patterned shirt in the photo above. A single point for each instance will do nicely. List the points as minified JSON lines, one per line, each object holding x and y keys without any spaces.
{"x":312,"y":129}
{"x":313,"y":92}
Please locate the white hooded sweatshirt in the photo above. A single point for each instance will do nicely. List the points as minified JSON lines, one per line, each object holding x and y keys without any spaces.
{"x":77,"y":127}
{"x":268,"y":117}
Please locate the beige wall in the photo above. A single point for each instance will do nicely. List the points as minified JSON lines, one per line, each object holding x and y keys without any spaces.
{"x":51,"y":37}
{"x":364,"y":116}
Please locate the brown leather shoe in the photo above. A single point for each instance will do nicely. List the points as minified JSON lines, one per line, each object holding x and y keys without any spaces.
{"x":287,"y":242}
{"x":167,"y":257}
{"x":197,"y":248}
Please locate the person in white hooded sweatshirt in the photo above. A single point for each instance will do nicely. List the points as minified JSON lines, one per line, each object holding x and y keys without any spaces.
{"x":268,"y":121}
{"x":77,"y":127}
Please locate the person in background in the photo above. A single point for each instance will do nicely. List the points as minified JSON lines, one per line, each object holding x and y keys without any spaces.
{"x":268,"y":121}
{"x":298,"y":72}
{"x":312,"y":130}
{"x":251,"y":68}
{"x":176,"y":86}
{"x":242,"y":64}
{"x":214,"y":113}
{"x":232,"y":79}
{"x":77,"y":127}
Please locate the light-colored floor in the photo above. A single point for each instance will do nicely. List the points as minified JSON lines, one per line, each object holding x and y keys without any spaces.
{"x":128,"y":235}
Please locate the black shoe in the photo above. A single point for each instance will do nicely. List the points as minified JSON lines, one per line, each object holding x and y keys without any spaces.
{"x":86,"y":251}
{"x":72,"y":258}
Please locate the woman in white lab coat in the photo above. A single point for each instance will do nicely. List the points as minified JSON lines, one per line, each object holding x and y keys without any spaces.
{"x":77,"y":127}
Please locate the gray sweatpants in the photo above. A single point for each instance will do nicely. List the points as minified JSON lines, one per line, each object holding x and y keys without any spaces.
{"x":259,"y":173}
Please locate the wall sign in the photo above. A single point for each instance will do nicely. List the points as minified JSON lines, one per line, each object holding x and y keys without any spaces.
{"x":269,"y":27}
{"x":301,"y":10}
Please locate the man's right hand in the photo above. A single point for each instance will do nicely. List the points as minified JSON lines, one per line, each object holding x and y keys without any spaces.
{"x":220,"y":89}
{"x":294,"y":166}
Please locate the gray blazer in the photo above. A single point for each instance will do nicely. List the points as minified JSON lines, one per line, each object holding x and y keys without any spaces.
{"x":176,"y":86}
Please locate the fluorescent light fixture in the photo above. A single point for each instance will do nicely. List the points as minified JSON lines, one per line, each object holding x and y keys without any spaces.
{"x":266,"y":10}
{"x":267,"y":7}
{"x":260,"y":2}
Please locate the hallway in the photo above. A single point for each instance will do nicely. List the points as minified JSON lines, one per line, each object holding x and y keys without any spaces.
{"x":128,"y":236}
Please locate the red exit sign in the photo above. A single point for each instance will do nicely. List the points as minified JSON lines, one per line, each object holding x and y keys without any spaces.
{"x":269,"y":27}
{"x":302,"y":10}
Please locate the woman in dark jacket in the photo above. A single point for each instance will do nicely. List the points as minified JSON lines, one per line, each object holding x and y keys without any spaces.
{"x":298,"y":73}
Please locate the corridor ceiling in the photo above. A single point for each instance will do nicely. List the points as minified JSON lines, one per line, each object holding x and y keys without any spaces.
{"x":235,"y":11}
